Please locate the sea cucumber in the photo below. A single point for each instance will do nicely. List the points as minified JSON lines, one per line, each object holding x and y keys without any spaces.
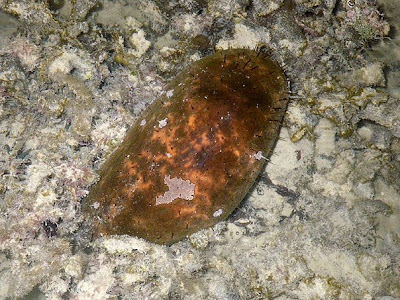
{"x":193,"y":156}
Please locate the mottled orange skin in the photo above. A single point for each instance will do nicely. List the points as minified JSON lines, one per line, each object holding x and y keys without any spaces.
{"x":220,"y":113}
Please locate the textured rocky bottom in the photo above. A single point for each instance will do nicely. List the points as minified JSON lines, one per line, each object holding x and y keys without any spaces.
{"x":322,"y":221}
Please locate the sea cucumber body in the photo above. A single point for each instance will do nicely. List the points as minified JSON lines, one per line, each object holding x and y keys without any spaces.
{"x":190,"y":160}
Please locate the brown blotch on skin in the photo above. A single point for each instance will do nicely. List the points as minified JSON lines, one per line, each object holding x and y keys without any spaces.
{"x":223,"y":115}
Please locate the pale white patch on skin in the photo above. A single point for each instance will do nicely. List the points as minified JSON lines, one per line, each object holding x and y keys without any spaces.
{"x":217,"y":213}
{"x":96,"y":205}
{"x":170,"y":93}
{"x":163,"y":123}
{"x":259,"y":156}
{"x":178,"y":189}
{"x":143,"y":122}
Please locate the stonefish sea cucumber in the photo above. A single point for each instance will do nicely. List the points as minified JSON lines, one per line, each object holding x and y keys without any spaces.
{"x":193,"y":156}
